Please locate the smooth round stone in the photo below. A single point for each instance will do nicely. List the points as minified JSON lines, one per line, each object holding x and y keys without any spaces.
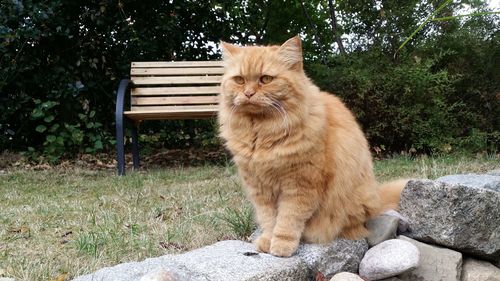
{"x":389,"y":258}
{"x":346,"y":276}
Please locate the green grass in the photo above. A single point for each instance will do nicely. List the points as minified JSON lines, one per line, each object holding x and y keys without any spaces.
{"x":77,"y":221}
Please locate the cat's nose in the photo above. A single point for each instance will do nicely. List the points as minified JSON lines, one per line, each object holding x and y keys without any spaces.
{"x":249,"y":94}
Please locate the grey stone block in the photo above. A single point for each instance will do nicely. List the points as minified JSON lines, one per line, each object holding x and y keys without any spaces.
{"x":337,"y":256}
{"x":237,"y":260}
{"x":134,"y":271}
{"x":464,"y":218}
{"x":403,"y":221}
{"x":381,"y":228}
{"x":161,"y":275}
{"x":477,"y":270}
{"x":436,"y":263}
{"x":491,"y":182}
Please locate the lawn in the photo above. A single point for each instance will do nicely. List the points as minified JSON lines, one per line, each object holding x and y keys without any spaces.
{"x":66,"y":222}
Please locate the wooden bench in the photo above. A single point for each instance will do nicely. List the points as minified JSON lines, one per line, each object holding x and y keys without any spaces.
{"x":163,"y":91}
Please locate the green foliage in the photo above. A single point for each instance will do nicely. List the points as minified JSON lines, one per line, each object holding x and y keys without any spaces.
{"x":63,"y":137}
{"x":416,"y":103}
{"x":61,"y":62}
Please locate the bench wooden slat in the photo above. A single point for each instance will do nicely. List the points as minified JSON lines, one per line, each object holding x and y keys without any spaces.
{"x":151,"y":115}
{"x":174,"y":108}
{"x":176,"y":71}
{"x":139,"y":113}
{"x":138,"y":80}
{"x":177,"y":64}
{"x":166,"y":91}
{"x":174,"y":100}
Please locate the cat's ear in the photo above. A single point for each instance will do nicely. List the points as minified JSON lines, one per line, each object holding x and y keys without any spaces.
{"x":291,"y":51}
{"x":228,"y":50}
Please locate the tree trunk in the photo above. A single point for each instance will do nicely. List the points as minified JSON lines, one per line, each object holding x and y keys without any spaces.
{"x":315,"y":30}
{"x":266,"y":21}
{"x":334,"y":27}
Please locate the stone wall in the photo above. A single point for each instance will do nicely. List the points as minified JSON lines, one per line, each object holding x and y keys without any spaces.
{"x":447,"y":229}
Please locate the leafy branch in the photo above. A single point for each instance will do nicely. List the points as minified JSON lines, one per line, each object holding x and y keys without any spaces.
{"x":432,"y":18}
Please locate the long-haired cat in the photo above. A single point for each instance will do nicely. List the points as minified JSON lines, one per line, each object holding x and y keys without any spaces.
{"x":303,"y":159}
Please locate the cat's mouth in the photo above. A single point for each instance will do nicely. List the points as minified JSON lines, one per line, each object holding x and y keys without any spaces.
{"x":249,"y":107}
{"x":258,"y":107}
{"x":249,"y":103}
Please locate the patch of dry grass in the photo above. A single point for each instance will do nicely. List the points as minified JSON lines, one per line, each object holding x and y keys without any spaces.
{"x":77,"y":221}
{"x":434,"y":167}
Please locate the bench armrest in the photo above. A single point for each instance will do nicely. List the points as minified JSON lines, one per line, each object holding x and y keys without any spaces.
{"x":123,"y":89}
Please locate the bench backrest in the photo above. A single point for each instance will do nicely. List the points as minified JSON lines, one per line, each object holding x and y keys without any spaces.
{"x":167,"y":86}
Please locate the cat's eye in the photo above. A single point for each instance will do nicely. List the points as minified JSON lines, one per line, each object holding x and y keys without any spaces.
{"x":239,"y":80}
{"x":265,"y":79}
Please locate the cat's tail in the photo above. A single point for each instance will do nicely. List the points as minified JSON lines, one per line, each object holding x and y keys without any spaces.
{"x":390,"y":194}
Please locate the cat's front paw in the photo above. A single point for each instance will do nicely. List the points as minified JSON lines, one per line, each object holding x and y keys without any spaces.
{"x":283,"y":247}
{"x":262,"y":244}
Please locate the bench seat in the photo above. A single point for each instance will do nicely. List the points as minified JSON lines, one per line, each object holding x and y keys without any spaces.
{"x":172,"y":113}
{"x":165,"y":91}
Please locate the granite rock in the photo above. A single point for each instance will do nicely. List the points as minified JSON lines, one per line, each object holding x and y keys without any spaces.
{"x":491,"y":182}
{"x":436,"y":263}
{"x":133,"y":271}
{"x":388,"y":259}
{"x":381,"y":228}
{"x":331,"y":258}
{"x":458,"y":216}
{"x":403,"y":222}
{"x":337,"y":256}
{"x":477,"y":270}
{"x":161,"y":275}
{"x":237,"y":260}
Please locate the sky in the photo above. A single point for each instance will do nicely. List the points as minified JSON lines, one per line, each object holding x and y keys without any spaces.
{"x":495,"y":4}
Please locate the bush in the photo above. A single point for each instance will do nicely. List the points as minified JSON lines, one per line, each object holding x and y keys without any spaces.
{"x":61,"y":62}
{"x":414,"y":103}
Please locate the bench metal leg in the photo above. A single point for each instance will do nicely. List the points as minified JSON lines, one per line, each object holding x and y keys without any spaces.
{"x":123,"y":88}
{"x":120,"y":146}
{"x":135,"y":146}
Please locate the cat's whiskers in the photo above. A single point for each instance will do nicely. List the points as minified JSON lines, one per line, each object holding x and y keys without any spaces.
{"x":280,"y":111}
{"x":275,"y":108}
{"x":279,"y":108}
{"x":232,"y":111}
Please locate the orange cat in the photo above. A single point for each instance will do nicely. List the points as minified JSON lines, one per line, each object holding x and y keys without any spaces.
{"x":303,"y":159}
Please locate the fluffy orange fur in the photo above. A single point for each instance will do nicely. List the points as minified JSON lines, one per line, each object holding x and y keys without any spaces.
{"x":304,"y":162}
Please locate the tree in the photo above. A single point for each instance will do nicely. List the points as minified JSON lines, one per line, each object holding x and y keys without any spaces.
{"x":335,"y":31}
{"x":61,"y":62}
